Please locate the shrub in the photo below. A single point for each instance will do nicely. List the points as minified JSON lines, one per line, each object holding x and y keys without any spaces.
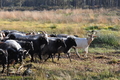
{"x":92,"y":28}
{"x":106,"y":41}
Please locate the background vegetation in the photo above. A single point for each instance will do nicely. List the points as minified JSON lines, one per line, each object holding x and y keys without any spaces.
{"x":57,"y":4}
{"x":103,"y":62}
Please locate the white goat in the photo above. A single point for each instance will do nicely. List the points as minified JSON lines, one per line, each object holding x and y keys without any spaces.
{"x":84,"y":43}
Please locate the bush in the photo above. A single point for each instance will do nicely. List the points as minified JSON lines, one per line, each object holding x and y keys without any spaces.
{"x":106,"y":41}
{"x":92,"y":28}
{"x":113,"y":28}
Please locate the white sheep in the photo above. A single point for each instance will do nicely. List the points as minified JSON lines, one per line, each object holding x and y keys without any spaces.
{"x":84,"y":43}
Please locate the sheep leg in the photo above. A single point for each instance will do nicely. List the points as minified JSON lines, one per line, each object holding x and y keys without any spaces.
{"x":3,"y":68}
{"x":14,"y":63}
{"x":8,"y":65}
{"x":47,"y":58}
{"x":40,"y":56}
{"x":32,"y":58}
{"x":76,"y":51}
{"x":69,"y":56}
{"x":52,"y":58}
{"x":54,"y":55}
{"x":86,"y":52}
{"x":58,"y":56}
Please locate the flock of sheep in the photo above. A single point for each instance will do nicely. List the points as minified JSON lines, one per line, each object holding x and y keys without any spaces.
{"x":16,"y":45}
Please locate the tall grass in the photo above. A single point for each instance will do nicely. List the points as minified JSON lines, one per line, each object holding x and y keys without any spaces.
{"x":64,"y":16}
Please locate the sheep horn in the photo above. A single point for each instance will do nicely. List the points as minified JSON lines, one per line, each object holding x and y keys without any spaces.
{"x":33,"y":32}
{"x":43,"y":32}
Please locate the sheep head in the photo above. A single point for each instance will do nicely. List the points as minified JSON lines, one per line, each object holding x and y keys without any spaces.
{"x":91,"y":36}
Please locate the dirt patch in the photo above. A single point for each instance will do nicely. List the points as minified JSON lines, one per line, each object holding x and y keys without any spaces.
{"x":101,"y":57}
{"x":94,"y":63}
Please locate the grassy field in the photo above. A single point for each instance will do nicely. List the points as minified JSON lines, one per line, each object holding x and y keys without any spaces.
{"x":103,"y":62}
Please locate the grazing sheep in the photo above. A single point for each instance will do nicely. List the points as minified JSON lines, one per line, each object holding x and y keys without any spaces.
{"x":11,"y":55}
{"x":27,"y":46}
{"x":16,"y":46}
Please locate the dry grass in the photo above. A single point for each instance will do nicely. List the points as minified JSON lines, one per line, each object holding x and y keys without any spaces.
{"x":63,"y":20}
{"x":64,"y":16}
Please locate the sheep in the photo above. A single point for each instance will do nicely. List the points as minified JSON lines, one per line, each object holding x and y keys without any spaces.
{"x":16,"y":46}
{"x":70,"y":42}
{"x":52,"y":47}
{"x":24,"y":36}
{"x":38,"y":40}
{"x":27,"y":46}
{"x":84,"y":43}
{"x":10,"y":53}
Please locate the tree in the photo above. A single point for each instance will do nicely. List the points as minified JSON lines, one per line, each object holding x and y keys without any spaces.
{"x":21,"y":2}
{"x":1,"y":3}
